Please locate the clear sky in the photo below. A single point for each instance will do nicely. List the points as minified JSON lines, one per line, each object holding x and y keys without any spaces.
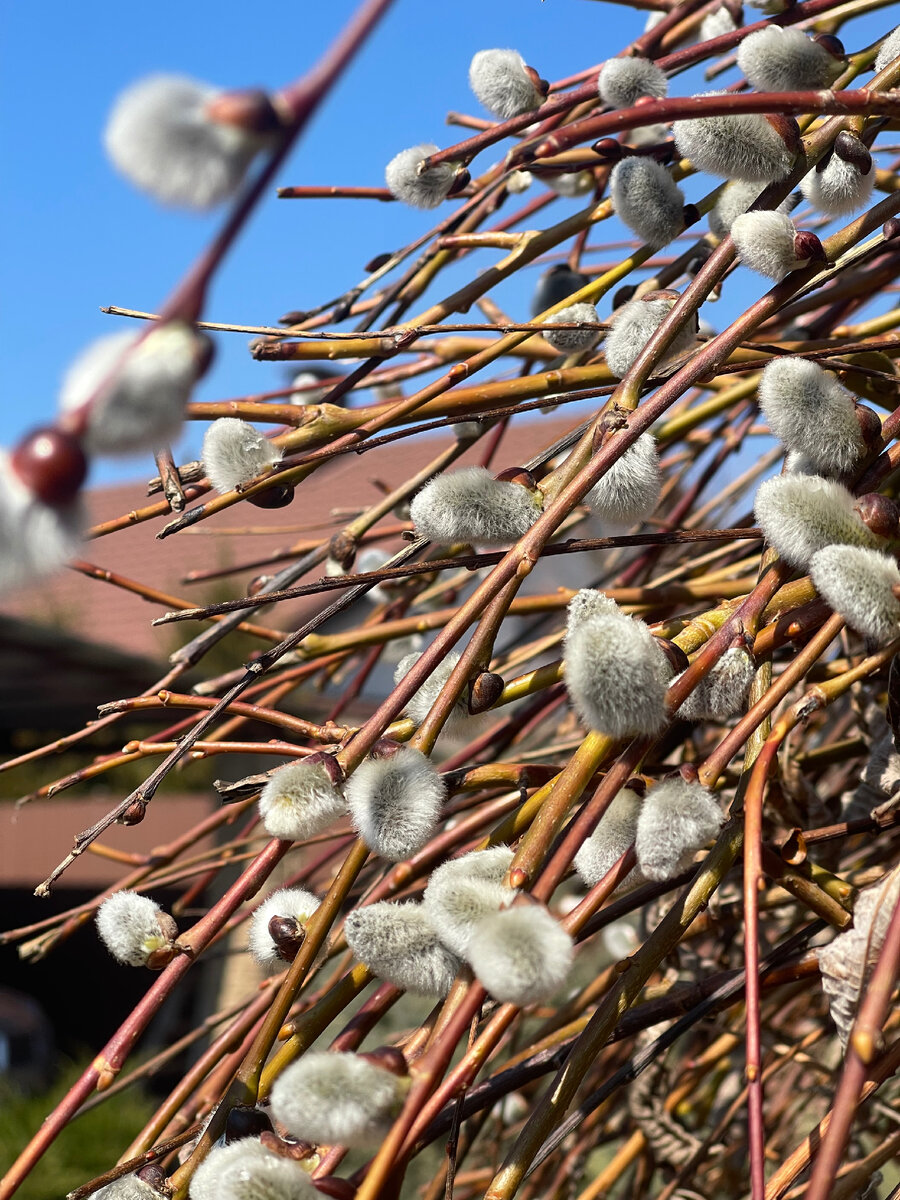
{"x":75,"y":236}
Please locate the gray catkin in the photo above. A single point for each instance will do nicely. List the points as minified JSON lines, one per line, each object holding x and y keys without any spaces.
{"x":424,"y":189}
{"x":800,"y":514}
{"x":858,"y":583}
{"x":567,"y":341}
{"x":398,"y":942}
{"x":785,"y":60}
{"x":811,"y":412}
{"x":462,"y":891}
{"x":734,"y":146}
{"x":839,"y":188}
{"x":723,"y":691}
{"x":734,"y":199}
{"x":676,"y":820}
{"x":622,"y":81}
{"x":764,"y":241}
{"x":629,"y":491}
{"x":469,"y":505}
{"x":520,"y":955}
{"x":633,"y":325}
{"x":499,"y":80}
{"x":395,"y":802}
{"x":614,"y":834}
{"x":647,"y":199}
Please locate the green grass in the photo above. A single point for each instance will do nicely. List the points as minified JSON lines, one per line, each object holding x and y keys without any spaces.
{"x":85,"y":1149}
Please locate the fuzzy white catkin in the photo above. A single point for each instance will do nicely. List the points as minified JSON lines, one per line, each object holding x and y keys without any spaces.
{"x":246,"y":1170}
{"x":647,"y":199}
{"x":395,"y":802}
{"x":499,"y":80}
{"x":632,"y":327}
{"x":715,"y":23}
{"x":734,"y":199}
{"x":609,"y":841}
{"x":629,"y":491}
{"x":888,"y":50}
{"x":677,"y":819}
{"x":570,"y":183}
{"x":127,"y":1187}
{"x":858,"y":583}
{"x":159,"y":137}
{"x":420,"y":190}
{"x":308,"y":395}
{"x":419,"y":704}
{"x":764,"y":242}
{"x":299,"y":801}
{"x":800,"y":514}
{"x":469,"y":505}
{"x":132,"y":927}
{"x":518,"y":182}
{"x":234,"y":453}
{"x":812,"y":413}
{"x":337,"y":1099}
{"x":142,"y":408}
{"x":622,"y":81}
{"x":785,"y":60}
{"x":616,"y":675}
{"x":295,"y":904}
{"x":35,"y":538}
{"x":734,"y":146}
{"x":723,"y":691}
{"x":520,"y":955}
{"x":398,"y":942}
{"x":569,"y":340}
{"x":846,"y":964}
{"x":587,"y":603}
{"x":463,"y":891}
{"x":839,"y":188}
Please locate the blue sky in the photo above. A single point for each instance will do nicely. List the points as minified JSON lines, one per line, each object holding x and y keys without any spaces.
{"x":75,"y":236}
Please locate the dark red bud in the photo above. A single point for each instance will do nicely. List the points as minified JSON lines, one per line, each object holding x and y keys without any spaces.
{"x":134,"y":813}
{"x":540,"y":85}
{"x":249,"y":109}
{"x":807,"y":247}
{"x":517,"y":475}
{"x":376,"y":263}
{"x":243,"y":1122}
{"x":870,"y":426}
{"x":161,"y":958}
{"x":278,"y":496}
{"x":156,"y":1177}
{"x":787,"y":129}
{"x":609,"y":150}
{"x":690,"y":214}
{"x":643,"y":101}
{"x":678,"y":660}
{"x":288,"y":937}
{"x":484,"y":691}
{"x":891,"y":228}
{"x":851,"y":149}
{"x":832,"y":44}
{"x":385,"y":748}
{"x":880,"y":514}
{"x":688,"y":773}
{"x":623,"y":295}
{"x":51,"y":464}
{"x":638,"y":785}
{"x":461,"y":180}
{"x":389,"y":1058}
{"x":662,"y":294}
{"x":330,"y":764}
{"x":342,"y":548}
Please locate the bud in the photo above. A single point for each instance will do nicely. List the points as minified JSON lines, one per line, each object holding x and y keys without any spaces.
{"x":484,"y":691}
{"x":570,"y":184}
{"x":585,"y":604}
{"x":337,"y":1099}
{"x":128,"y":1187}
{"x":469,"y":505}
{"x":395,"y":803}
{"x":462,"y":891}
{"x":622,"y":81}
{"x":616,"y":675}
{"x":647,"y":200}
{"x":504,"y":84}
{"x":245,"y":1122}
{"x":134,"y":928}
{"x":785,"y":60}
{"x":859,"y":584}
{"x":421,"y":189}
{"x":813,"y":414}
{"x":521,"y":955}
{"x":677,"y":819}
{"x":801,"y":514}
{"x":734,"y":199}
{"x":613,"y":836}
{"x":420,"y":703}
{"x":629,"y":491}
{"x":247,"y":109}
{"x":301,"y":800}
{"x":744,"y":146}
{"x":633,"y":325}
{"x":518,"y":182}
{"x":277,"y":925}
{"x":398,"y":942}
{"x":889,"y":50}
{"x":248,"y":1170}
{"x":310,"y":394}
{"x":715,"y":23}
{"x":163,"y":136}
{"x":37,"y":536}
{"x":843,"y":181}
{"x":568,"y":341}
{"x":234,"y":453}
{"x":880,"y":514}
{"x":723,"y":690}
